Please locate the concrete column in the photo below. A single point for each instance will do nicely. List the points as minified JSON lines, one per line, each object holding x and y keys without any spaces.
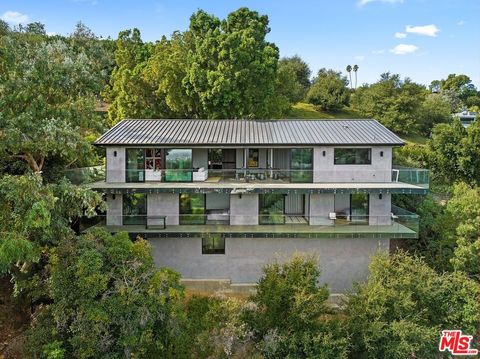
{"x":164,"y":204}
{"x":244,"y":210}
{"x":380,"y":209}
{"x":114,"y":209}
{"x":321,"y":205}
{"x":115,"y":164}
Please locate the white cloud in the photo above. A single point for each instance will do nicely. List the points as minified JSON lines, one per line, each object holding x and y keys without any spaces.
{"x":461,"y":23}
{"x":365,"y":2}
{"x":359,"y":57}
{"x":427,"y":30}
{"x":378,"y":52}
{"x":403,"y":49}
{"x":400,"y":35}
{"x":14,"y":17}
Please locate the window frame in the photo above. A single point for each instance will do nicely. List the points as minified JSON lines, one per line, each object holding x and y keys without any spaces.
{"x":215,"y":248}
{"x":257,"y":160}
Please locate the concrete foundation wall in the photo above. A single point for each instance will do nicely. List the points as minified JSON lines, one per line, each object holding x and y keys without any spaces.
{"x":164,"y":204}
{"x":114,"y":210}
{"x":380,"y":209}
{"x":115,"y":164}
{"x":244,"y":210}
{"x":326,"y":171}
{"x":321,"y":205}
{"x":342,"y":261}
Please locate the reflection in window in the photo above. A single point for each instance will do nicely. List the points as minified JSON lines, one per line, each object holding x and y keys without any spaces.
{"x":353,"y":156}
{"x":213,"y":245}
{"x":178,"y":165}
{"x":135,"y":165}
{"x":271,"y":208}
{"x":359,"y":207}
{"x":252,"y":157}
{"x":192,"y":208}
{"x":301,"y":165}
{"x":135,"y":208}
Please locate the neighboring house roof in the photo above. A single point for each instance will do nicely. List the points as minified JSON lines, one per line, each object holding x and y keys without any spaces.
{"x":248,"y":132}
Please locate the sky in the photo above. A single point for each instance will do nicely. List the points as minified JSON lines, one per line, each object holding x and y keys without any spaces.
{"x":421,"y":39}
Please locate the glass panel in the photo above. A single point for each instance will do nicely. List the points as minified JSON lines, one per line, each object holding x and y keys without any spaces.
{"x":179,"y":165}
{"x":135,"y":208}
{"x":271,"y":208}
{"x":301,"y":164}
{"x":252,"y":157}
{"x":135,"y":166}
{"x":359,"y":207}
{"x":353,"y":156}
{"x":213,"y":245}
{"x":192,"y":208}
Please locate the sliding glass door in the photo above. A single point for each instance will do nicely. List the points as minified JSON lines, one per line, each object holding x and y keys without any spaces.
{"x":192,"y":208}
{"x":178,"y":165}
{"x":271,"y":208}
{"x":359,"y":208}
{"x":135,"y":165}
{"x":301,"y":165}
{"x":134,"y":208}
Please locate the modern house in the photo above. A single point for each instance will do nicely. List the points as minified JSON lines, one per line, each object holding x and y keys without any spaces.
{"x":217,"y":199}
{"x":466,"y":117}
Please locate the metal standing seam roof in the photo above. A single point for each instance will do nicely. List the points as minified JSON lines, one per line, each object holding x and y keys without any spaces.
{"x":136,"y":132}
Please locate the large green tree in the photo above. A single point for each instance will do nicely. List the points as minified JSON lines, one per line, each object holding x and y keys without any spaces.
{"x":329,"y":90}
{"x":300,"y":69}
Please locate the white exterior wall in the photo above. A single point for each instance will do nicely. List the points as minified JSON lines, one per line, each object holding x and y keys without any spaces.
{"x":115,"y":164}
{"x":342,"y":261}
{"x":114,"y":210}
{"x":326,"y":171}
{"x":244,"y":210}
{"x":164,"y":204}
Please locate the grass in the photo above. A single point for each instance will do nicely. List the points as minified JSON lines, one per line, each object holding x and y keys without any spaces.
{"x":307,"y":111}
{"x":416,"y":139}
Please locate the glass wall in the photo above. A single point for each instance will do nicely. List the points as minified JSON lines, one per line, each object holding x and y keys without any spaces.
{"x":301,"y":165}
{"x":271,"y":208}
{"x":359,"y":208}
{"x":353,"y":156}
{"x":213,"y":245}
{"x":192,"y":208}
{"x":178,"y":165}
{"x":135,"y":208}
{"x":135,"y":165}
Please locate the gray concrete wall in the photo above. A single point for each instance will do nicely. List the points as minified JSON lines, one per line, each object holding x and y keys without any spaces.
{"x":164,"y":204}
{"x":321,"y":205}
{"x":200,"y":157}
{"x":380,"y":209}
{"x":217,"y":200}
{"x":325,"y":171}
{"x":342,"y":203}
{"x":244,"y":210}
{"x":342,"y":261}
{"x":114,"y":210}
{"x":115,"y":164}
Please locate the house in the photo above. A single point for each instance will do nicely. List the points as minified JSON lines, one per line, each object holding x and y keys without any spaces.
{"x":466,"y":117}
{"x":217,"y":199}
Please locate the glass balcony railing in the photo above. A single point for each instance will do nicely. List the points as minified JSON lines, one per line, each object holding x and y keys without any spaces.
{"x":415,"y":176}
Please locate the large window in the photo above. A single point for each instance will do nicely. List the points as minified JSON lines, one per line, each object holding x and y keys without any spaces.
{"x":359,"y":208}
{"x":271,"y":208}
{"x":192,"y":208}
{"x":301,"y":165}
{"x":178,"y":165}
{"x":135,"y":165}
{"x":253,"y":158}
{"x":353,"y":156}
{"x":135,"y":208}
{"x":213,"y":245}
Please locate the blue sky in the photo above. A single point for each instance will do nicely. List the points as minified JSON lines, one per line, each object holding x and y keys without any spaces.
{"x":421,"y":39}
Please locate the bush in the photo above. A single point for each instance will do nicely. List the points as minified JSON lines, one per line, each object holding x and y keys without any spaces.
{"x":329,"y":91}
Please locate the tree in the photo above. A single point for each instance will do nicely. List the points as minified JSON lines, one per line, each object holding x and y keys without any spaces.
{"x":349,"y":70}
{"x":109,"y":300}
{"x":46,"y":103}
{"x":300,"y":68}
{"x":459,"y":91}
{"x":401,"y":309}
{"x":435,"y":109}
{"x":355,"y":69}
{"x":289,"y":90}
{"x":4,"y":28}
{"x":329,"y":90}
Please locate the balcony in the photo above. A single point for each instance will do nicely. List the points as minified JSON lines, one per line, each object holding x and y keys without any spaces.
{"x":399,"y":224}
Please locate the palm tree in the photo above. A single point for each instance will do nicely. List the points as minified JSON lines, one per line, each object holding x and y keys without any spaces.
{"x":355,"y":69}
{"x":349,"y":70}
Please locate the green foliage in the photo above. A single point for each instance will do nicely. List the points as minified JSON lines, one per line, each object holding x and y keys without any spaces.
{"x":301,"y":71}
{"x":404,"y":305}
{"x":329,"y":90}
{"x":435,"y":109}
{"x":458,"y":90}
{"x":109,"y":300}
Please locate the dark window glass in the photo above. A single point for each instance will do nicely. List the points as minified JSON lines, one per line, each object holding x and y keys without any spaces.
{"x":135,"y":165}
{"x":359,"y":207}
{"x":213,"y":245}
{"x":178,"y":165}
{"x":271,"y":208}
{"x":301,"y":165}
{"x":192,"y":208}
{"x":353,"y":156}
{"x":252,"y":157}
{"x":135,"y":208}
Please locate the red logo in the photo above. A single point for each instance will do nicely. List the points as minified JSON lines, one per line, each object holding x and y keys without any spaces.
{"x":456,"y":343}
